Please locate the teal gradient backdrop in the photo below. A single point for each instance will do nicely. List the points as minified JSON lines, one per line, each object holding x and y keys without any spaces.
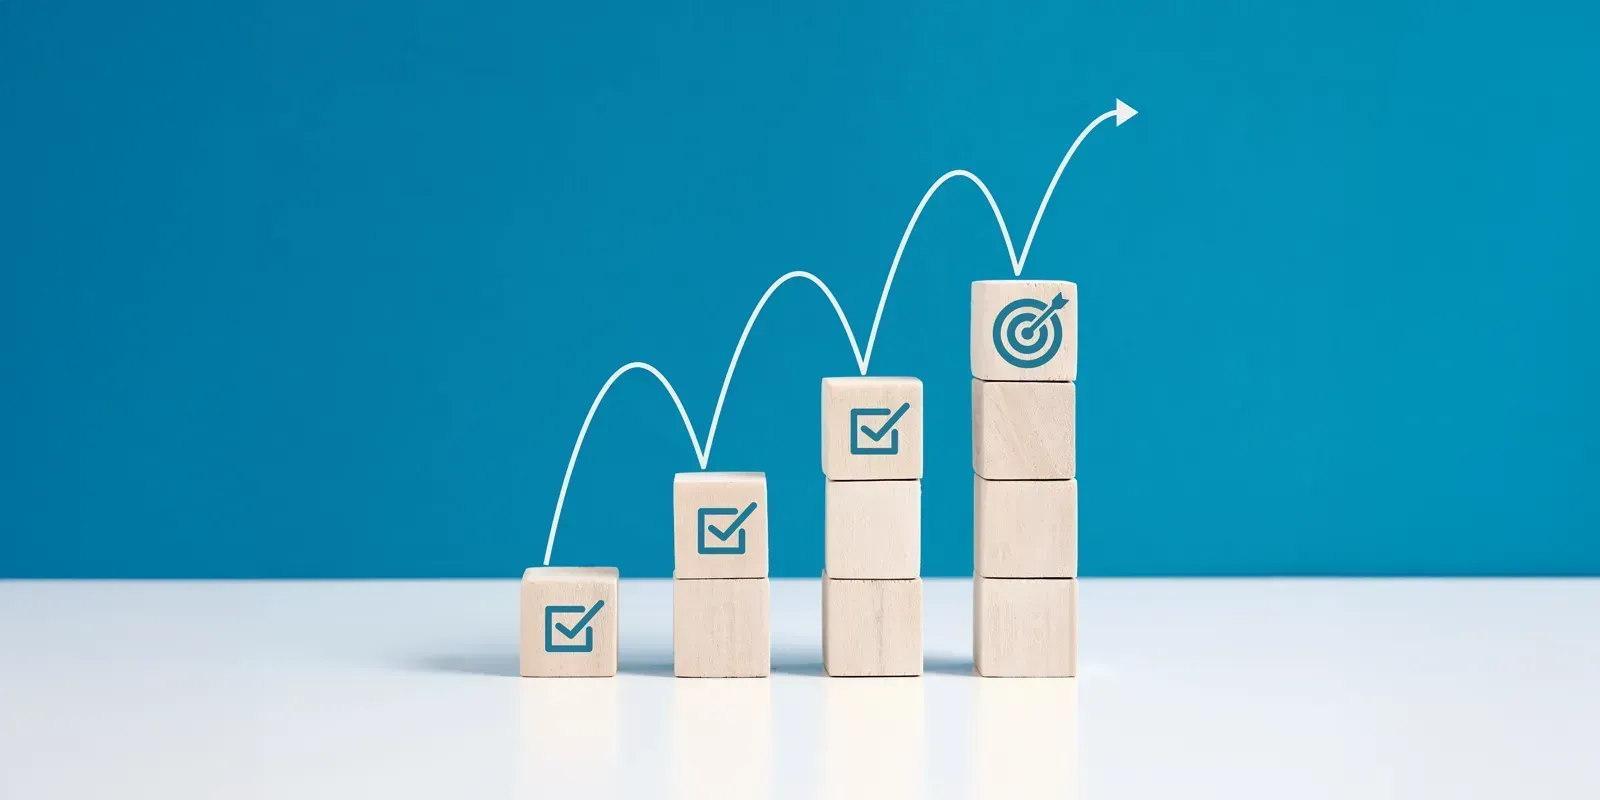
{"x":324,"y":289}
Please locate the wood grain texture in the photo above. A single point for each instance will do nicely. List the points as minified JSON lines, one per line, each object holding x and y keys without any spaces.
{"x":574,"y":587}
{"x":1025,"y":627}
{"x":884,"y":396}
{"x":873,"y":529}
{"x":721,"y":628}
{"x":1024,"y":431}
{"x":871,"y":628}
{"x":989,"y":298}
{"x":1025,"y":529}
{"x":692,"y":491}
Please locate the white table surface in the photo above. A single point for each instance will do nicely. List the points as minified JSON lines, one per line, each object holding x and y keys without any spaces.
{"x":1282,"y":689}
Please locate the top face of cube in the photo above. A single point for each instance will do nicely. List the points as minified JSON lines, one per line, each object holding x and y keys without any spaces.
{"x":871,"y":428}
{"x":1025,"y":330}
{"x":719,"y":525}
{"x":579,"y":574}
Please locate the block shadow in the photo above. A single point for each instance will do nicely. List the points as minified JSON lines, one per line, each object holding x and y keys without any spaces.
{"x":960,"y":666}
{"x":806,"y":664}
{"x":649,"y":665}
{"x":499,"y":665}
{"x":809,"y":665}
{"x":803,"y":664}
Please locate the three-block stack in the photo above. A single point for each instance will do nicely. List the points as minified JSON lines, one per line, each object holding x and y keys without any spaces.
{"x":1025,"y":496}
{"x":721,"y":598}
{"x":871,"y":581}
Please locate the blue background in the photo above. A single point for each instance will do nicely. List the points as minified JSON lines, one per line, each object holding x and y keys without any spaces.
{"x":324,"y":289}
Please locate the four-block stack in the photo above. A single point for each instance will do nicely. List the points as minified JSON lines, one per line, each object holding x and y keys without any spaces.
{"x":1025,"y":497}
{"x":871,"y":581}
{"x":721,"y":599}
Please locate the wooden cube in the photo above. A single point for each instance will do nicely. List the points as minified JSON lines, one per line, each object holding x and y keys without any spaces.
{"x":719,"y":524}
{"x":873,"y":529}
{"x":1025,"y":330}
{"x":1025,"y":529}
{"x":871,"y":628}
{"x":871,"y":428}
{"x":1023,"y":431}
{"x":569,"y":622}
{"x":721,"y":628}
{"x":1025,"y":627}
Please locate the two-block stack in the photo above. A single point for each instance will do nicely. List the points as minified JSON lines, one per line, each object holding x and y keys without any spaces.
{"x":1025,"y":496}
{"x":871,"y":581}
{"x":721,"y":598}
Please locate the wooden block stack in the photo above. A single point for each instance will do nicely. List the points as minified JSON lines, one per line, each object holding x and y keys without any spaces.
{"x":721,"y":600}
{"x":1025,"y":496}
{"x":871,"y":582}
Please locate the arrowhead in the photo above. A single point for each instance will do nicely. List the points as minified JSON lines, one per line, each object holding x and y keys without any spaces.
{"x":1125,"y":112}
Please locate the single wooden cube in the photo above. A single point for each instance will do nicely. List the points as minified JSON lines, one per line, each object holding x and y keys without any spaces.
{"x":873,"y":529}
{"x":1025,"y":330}
{"x":1025,"y":627}
{"x":569,"y":622}
{"x":1023,"y":431}
{"x":719,"y":524}
{"x":1025,"y":529}
{"x":871,"y":628}
{"x":721,"y":628}
{"x":871,"y":429}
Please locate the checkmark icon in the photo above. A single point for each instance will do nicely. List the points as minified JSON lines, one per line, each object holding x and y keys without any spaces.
{"x":732,"y":526}
{"x":570,"y":632}
{"x":873,"y":444}
{"x":721,"y":540}
{"x":877,"y":435}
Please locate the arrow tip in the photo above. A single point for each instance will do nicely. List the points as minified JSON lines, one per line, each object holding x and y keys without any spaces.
{"x":1125,"y":112}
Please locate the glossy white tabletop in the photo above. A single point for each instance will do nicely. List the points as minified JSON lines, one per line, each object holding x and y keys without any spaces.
{"x":1202,"y":688}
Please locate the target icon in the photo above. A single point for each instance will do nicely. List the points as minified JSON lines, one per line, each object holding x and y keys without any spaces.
{"x":1027,"y":332}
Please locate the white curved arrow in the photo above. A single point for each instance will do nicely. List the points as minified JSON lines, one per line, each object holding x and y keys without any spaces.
{"x":1121,"y":113}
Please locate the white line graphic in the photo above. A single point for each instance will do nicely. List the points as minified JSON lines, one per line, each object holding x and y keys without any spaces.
{"x":1121,"y":113}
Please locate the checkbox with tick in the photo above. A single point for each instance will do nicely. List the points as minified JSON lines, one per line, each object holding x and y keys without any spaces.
{"x":729,"y":539}
{"x":563,"y":637}
{"x":868,"y":440}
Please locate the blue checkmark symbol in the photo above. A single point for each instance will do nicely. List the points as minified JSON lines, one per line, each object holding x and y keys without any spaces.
{"x":719,"y":543}
{"x":873,"y":444}
{"x":551,"y":627}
